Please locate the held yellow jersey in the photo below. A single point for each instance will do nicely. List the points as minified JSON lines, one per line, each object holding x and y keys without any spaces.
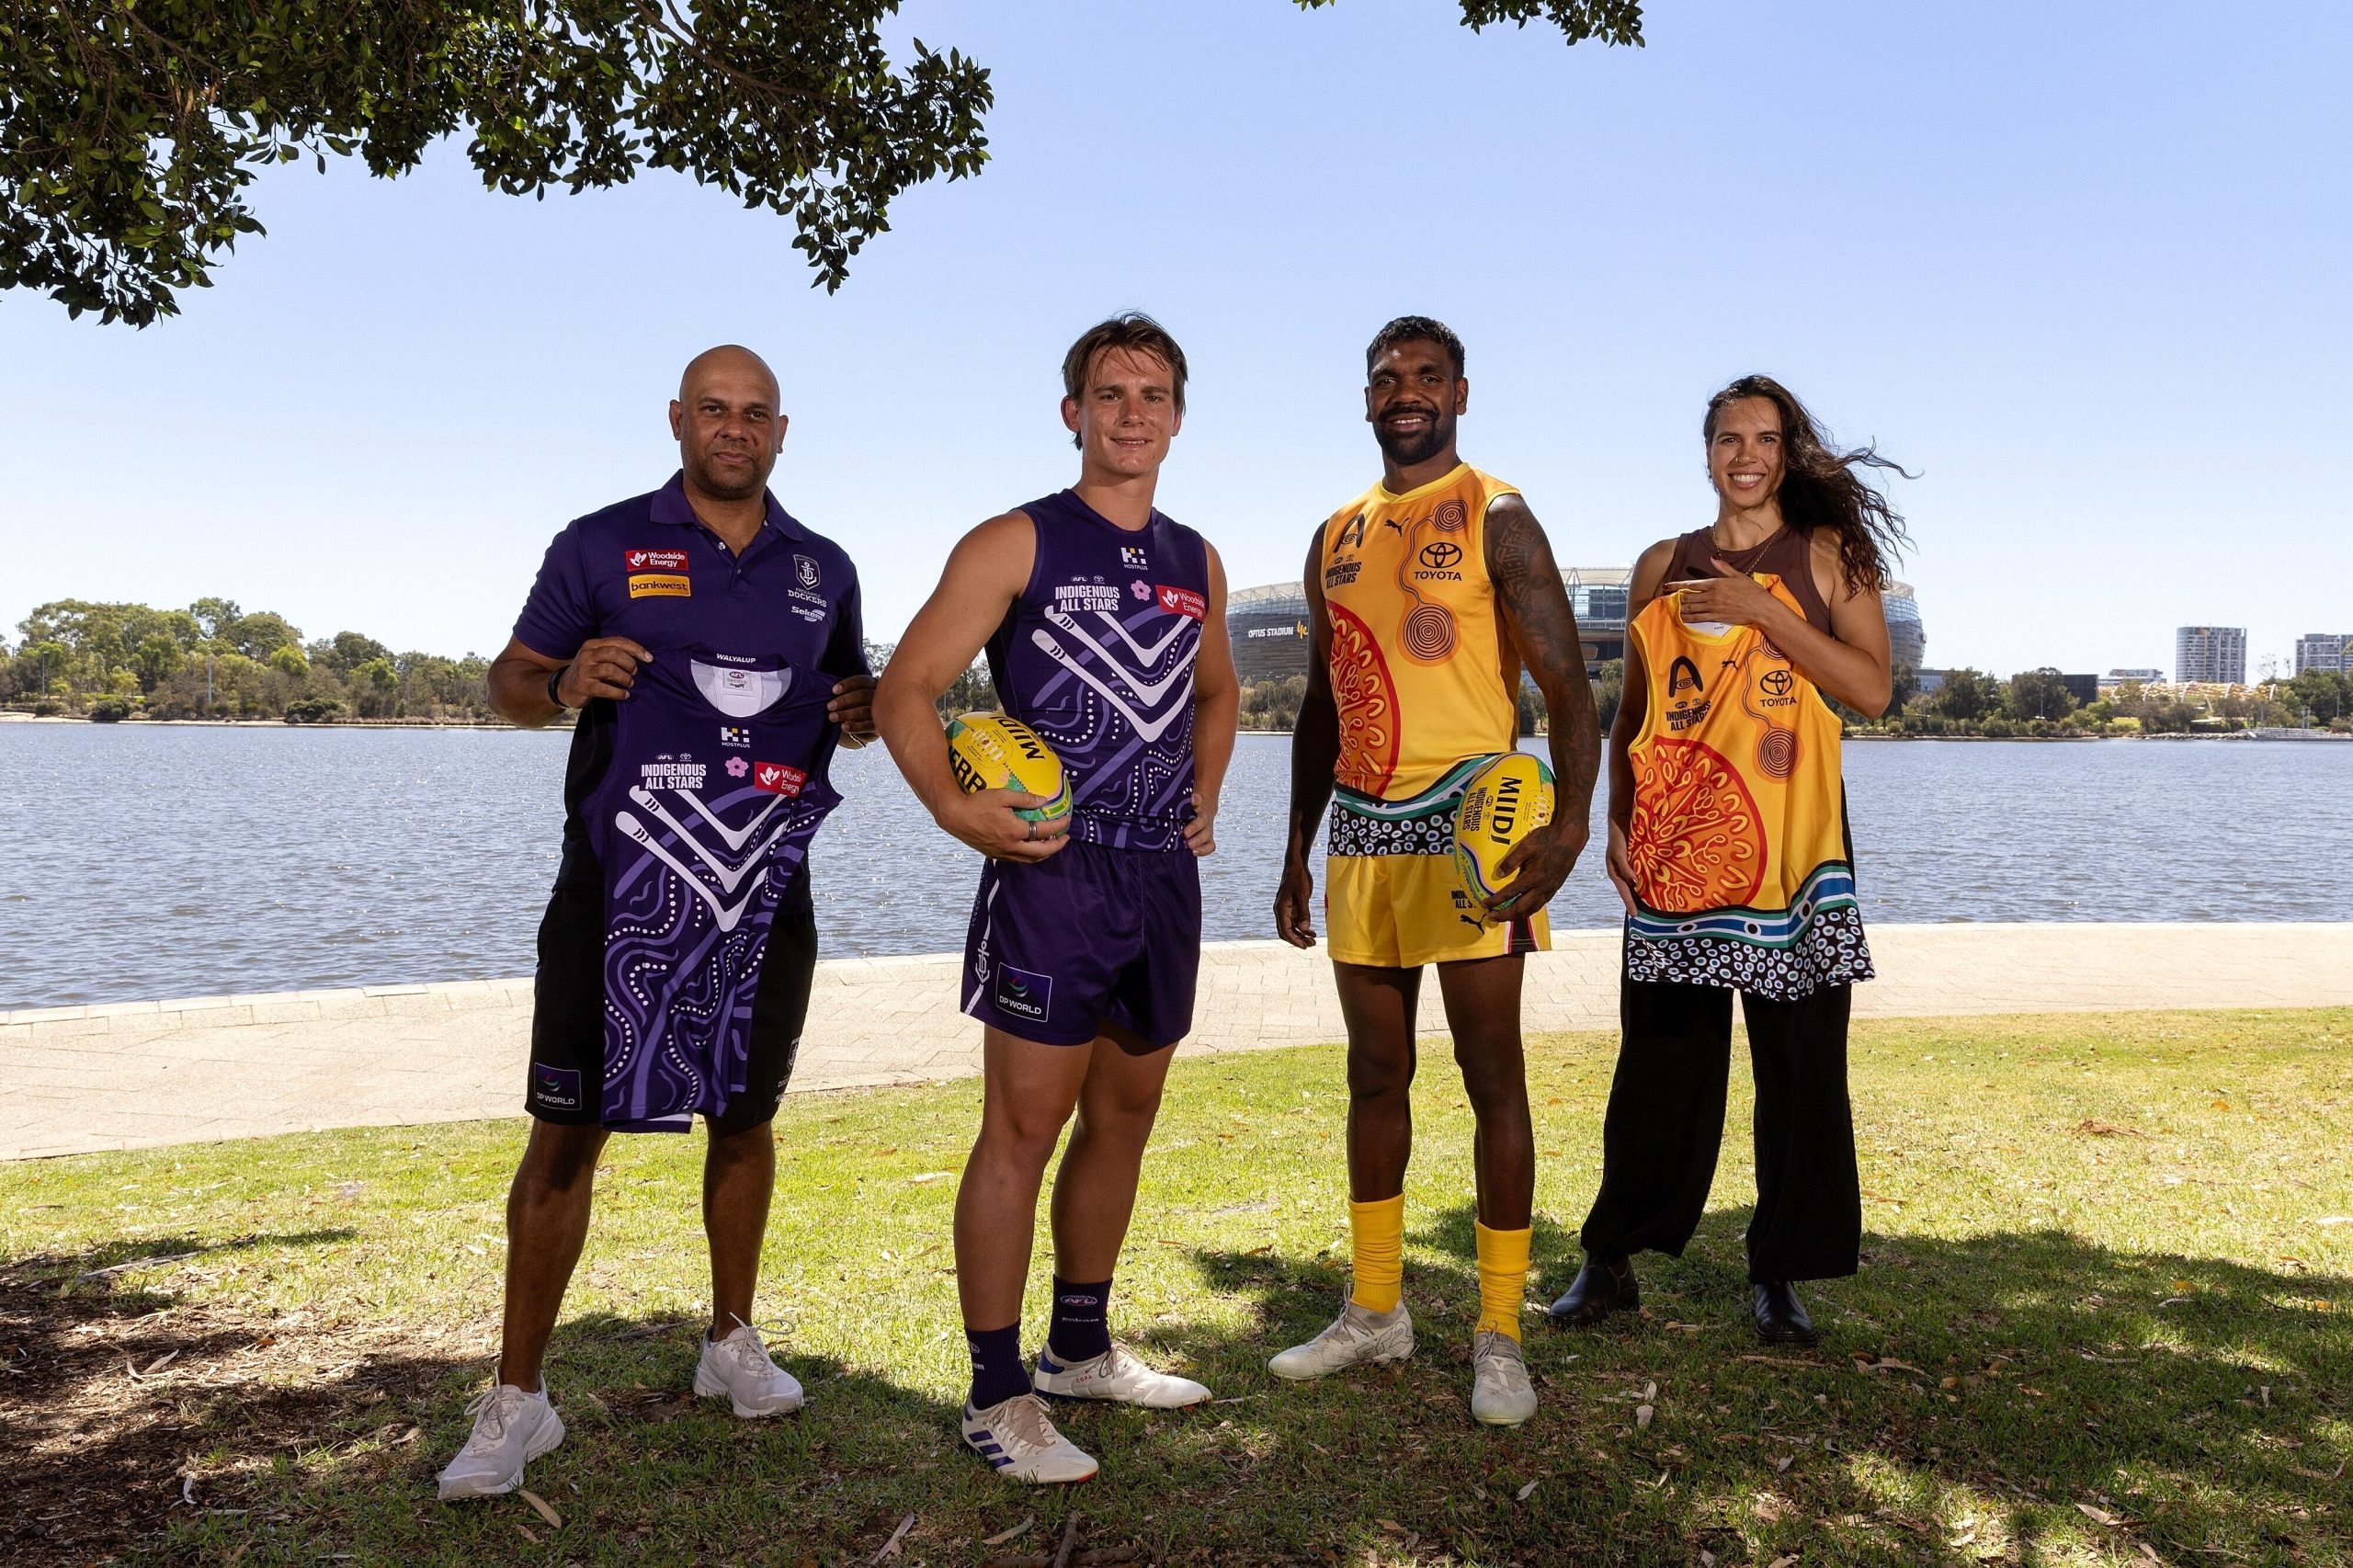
{"x":1422,"y":670}
{"x":1738,"y":837}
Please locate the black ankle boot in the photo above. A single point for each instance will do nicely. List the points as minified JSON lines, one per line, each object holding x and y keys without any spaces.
{"x":1603,"y":1286}
{"x":1780,"y":1316}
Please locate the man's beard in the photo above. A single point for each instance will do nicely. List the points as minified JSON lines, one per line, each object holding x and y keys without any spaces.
{"x":1408,"y":451}
{"x":753,"y":484}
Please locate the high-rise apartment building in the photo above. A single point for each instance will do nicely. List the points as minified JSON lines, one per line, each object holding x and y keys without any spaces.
{"x":2209,"y":654}
{"x":1907,"y":636}
{"x":2331,"y":652}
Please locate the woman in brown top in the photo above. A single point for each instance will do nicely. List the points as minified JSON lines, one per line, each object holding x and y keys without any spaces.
{"x":1789,"y":507}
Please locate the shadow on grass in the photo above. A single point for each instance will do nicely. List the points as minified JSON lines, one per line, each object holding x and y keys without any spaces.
{"x":1987,"y":1399}
{"x":2028,"y":1394}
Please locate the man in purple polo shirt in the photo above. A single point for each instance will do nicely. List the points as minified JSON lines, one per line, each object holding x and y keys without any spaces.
{"x":708,"y":565}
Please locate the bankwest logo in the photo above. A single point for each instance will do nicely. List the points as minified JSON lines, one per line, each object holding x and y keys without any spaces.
{"x":1184,"y":602}
{"x":778,"y":778}
{"x":661,"y":585}
{"x":654,"y":560}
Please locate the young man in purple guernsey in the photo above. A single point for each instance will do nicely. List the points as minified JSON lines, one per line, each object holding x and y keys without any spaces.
{"x":704,"y":592}
{"x":1105,"y":625}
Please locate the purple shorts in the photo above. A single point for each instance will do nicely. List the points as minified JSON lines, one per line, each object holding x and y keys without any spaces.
{"x":1090,"y":936}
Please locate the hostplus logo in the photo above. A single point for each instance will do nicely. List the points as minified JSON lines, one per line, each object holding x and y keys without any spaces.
{"x":1132,"y":555}
{"x":734,"y":735}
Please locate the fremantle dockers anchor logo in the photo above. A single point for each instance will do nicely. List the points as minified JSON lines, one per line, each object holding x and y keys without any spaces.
{"x":805,"y":570}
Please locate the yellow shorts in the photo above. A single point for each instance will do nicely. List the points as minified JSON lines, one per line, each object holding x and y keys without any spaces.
{"x":1404,"y":911}
{"x":1392,"y":897}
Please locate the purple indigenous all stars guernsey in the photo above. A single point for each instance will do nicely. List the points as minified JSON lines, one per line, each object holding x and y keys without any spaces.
{"x":1097,"y":656}
{"x":716,"y":786}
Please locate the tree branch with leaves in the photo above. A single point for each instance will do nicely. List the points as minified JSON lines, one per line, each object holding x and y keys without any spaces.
{"x":132,"y":130}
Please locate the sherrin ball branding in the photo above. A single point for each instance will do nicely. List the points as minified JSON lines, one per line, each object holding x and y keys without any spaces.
{"x":989,"y":750}
{"x":1508,"y":798}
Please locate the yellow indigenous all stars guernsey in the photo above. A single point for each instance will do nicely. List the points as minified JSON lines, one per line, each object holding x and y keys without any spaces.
{"x":1738,"y":838}
{"x":1427,"y":681}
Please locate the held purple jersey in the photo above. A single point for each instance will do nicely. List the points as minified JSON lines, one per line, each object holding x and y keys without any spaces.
{"x":1097,"y":656}
{"x":717,"y":784}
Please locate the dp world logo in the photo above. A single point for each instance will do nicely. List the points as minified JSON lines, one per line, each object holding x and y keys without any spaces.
{"x":1443,"y":556}
{"x":1024,"y":993}
{"x":1777,"y":683}
{"x":806,"y":569}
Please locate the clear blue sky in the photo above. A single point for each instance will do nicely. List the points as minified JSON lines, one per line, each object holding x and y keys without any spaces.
{"x":2083,"y":266}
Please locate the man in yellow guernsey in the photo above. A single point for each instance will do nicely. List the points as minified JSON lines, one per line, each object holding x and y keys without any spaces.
{"x":1728,"y":843}
{"x":1426,"y":597}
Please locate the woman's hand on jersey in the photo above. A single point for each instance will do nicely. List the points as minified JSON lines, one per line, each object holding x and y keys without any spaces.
{"x":1535,"y":869}
{"x":1201,"y":833}
{"x":605,"y":667}
{"x":991,"y":823}
{"x":1294,"y":898}
{"x":1620,"y":868}
{"x":1732,"y":597}
{"x":853,"y":708}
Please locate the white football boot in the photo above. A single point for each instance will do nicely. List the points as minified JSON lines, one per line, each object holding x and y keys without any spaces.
{"x":739,"y":1369}
{"x":1356,"y":1336}
{"x":1020,"y":1443}
{"x":1118,"y":1376}
{"x":511,"y":1428}
{"x":1501,"y":1395}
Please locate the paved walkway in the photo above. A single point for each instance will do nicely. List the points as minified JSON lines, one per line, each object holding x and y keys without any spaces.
{"x":141,"y":1074}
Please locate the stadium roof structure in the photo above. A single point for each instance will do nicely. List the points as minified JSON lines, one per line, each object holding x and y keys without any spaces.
{"x":1278,"y":598}
{"x":1270,"y":599}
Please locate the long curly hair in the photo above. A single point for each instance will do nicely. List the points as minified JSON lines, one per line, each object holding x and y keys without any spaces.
{"x":1821,"y":489}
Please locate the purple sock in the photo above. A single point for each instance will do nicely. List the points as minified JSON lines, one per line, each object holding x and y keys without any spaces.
{"x":1082,"y":1327}
{"x":998,"y":1371}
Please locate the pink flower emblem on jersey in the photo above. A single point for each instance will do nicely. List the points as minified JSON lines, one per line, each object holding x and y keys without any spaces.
{"x":1141,"y":588}
{"x":737,"y":767}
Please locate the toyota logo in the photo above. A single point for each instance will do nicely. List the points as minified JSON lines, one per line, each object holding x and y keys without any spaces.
{"x":1441,"y":555}
{"x":1777,"y":683}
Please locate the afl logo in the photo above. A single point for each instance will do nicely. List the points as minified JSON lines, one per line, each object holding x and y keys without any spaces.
{"x":1442,"y":556}
{"x":1777,"y":683}
{"x":806,"y":569}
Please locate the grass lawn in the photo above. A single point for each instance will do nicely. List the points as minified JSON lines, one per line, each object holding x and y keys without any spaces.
{"x":2105,"y":1315}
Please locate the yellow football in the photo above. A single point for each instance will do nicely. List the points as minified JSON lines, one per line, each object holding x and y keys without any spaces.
{"x":1509,"y":797}
{"x":990,"y":751}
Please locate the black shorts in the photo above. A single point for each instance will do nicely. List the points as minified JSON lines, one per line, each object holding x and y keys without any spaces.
{"x":567,"y":1069}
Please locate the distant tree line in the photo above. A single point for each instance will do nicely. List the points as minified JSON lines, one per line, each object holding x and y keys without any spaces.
{"x":215,"y":660}
{"x":1970,"y":702}
{"x":2038,"y":703}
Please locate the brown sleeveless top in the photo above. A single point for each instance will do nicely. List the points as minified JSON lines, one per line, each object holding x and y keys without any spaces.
{"x":1788,"y":555}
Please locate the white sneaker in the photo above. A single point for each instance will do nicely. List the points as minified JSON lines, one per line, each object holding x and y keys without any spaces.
{"x":1501,"y":1395}
{"x":739,"y":1366}
{"x":1356,"y":1335}
{"x":1021,"y":1444}
{"x":1118,"y":1376}
{"x":511,"y":1428}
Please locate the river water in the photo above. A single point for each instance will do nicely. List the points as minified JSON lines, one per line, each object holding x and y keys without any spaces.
{"x":142,"y":861}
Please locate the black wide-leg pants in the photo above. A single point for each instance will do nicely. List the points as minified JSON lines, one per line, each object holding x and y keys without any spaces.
{"x":1666,"y":1120}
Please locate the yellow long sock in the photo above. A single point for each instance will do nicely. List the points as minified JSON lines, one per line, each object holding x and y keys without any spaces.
{"x":1377,"y":1252}
{"x":1503,"y":1279}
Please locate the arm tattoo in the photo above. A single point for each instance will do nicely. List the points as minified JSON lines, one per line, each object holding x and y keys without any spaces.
{"x":1535,"y":606}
